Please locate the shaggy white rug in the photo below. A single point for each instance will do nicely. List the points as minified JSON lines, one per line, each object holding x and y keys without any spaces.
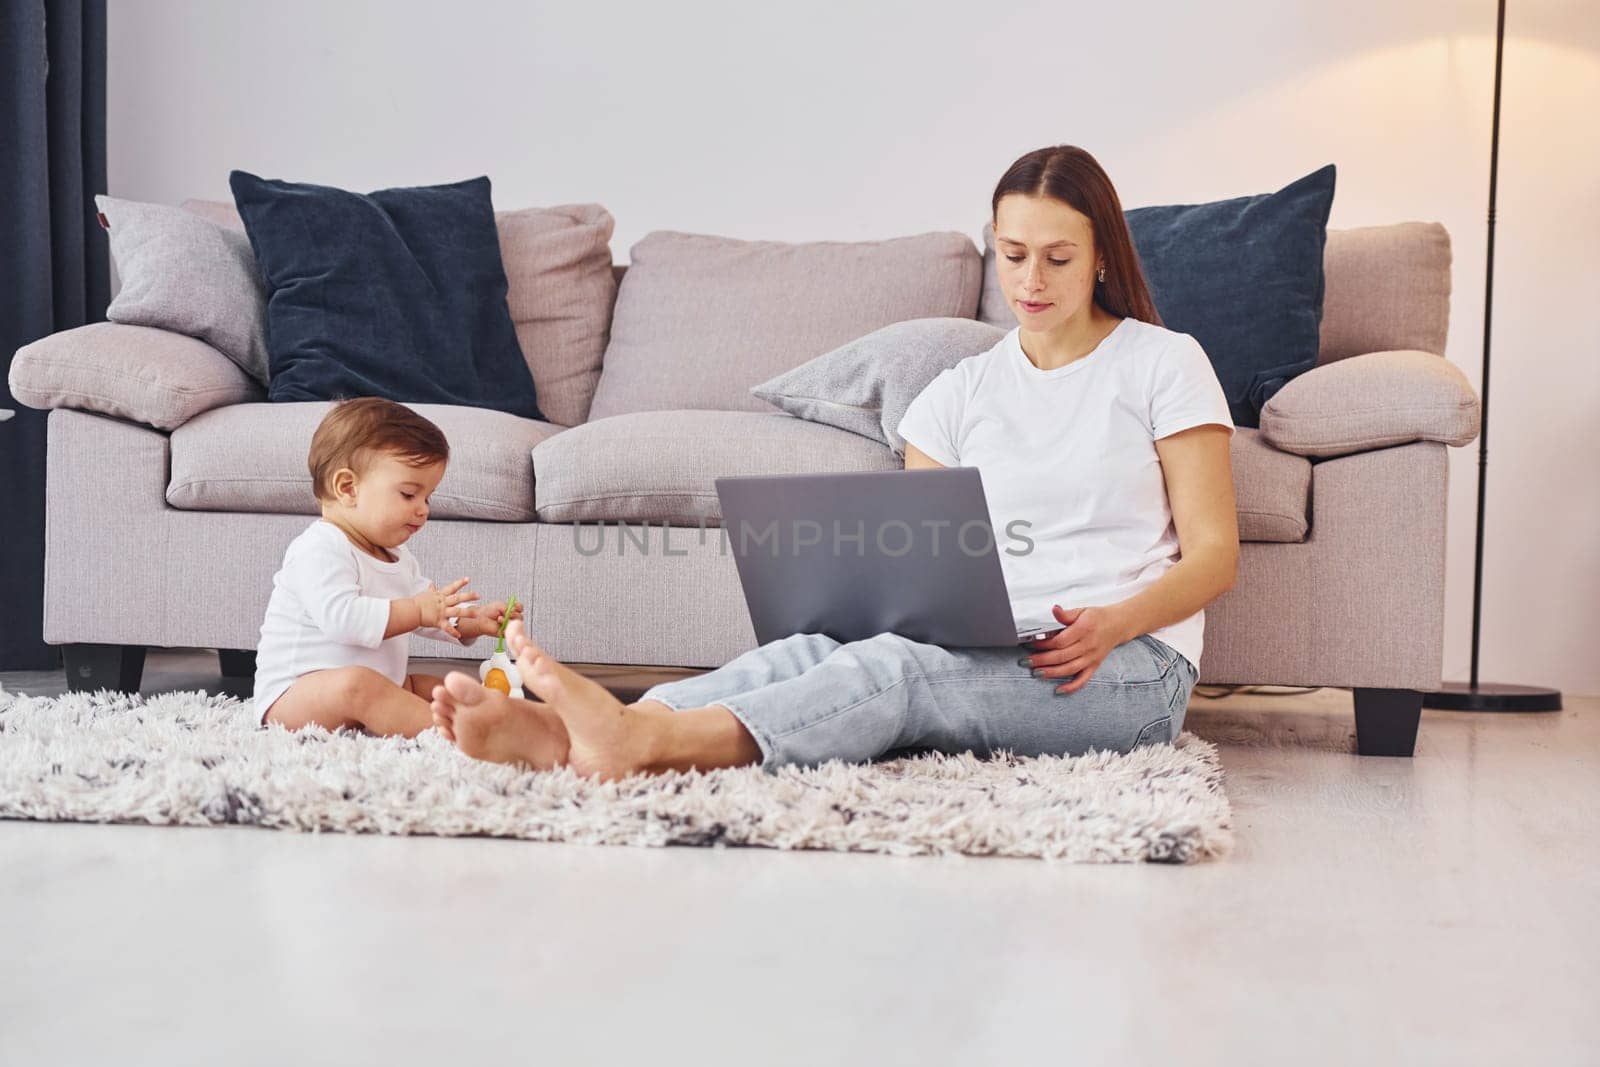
{"x":192,"y":759}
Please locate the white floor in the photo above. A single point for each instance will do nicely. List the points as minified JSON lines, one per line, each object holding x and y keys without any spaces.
{"x":1432,"y":910}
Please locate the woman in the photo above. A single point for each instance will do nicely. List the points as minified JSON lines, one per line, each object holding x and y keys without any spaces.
{"x":1106,"y":431}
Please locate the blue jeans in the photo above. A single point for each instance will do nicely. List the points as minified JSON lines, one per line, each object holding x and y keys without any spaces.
{"x":807,"y":699}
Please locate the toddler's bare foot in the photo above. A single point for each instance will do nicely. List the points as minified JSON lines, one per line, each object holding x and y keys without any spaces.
{"x":606,"y":738}
{"x":488,"y":725}
{"x":443,"y":721}
{"x":443,"y":708}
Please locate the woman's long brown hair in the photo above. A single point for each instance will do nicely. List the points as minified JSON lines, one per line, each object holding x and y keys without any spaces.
{"x":1071,"y":175}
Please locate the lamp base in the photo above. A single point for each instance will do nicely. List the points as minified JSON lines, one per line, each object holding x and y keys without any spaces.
{"x":1488,"y":696}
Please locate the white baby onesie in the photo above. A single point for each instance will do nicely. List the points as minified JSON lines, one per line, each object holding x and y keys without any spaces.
{"x":329,"y":608}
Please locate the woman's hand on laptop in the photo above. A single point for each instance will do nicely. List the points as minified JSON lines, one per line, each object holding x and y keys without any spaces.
{"x":1077,"y":651}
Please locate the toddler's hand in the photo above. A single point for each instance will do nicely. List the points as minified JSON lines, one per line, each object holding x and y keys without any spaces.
{"x":435,"y":606}
{"x":495,"y":611}
{"x":488,"y":617}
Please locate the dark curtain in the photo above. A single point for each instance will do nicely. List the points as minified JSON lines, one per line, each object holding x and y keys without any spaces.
{"x":53,"y":262}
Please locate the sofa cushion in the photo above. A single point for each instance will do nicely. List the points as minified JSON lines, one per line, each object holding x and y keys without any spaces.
{"x":699,"y":320}
{"x":1375,"y":400}
{"x":660,"y":466}
{"x":1388,"y":290}
{"x":252,"y":458}
{"x":139,"y":373}
{"x":397,"y":293}
{"x":558,"y":263}
{"x":561,"y":290}
{"x":1272,"y":489}
{"x":188,"y":275}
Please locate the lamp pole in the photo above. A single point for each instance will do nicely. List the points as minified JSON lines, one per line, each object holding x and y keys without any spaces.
{"x":1489,"y":696}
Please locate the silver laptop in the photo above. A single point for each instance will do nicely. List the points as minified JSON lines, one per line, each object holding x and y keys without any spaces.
{"x":855,"y":555}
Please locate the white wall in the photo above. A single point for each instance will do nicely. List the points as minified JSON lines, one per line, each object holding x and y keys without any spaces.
{"x":819,"y":121}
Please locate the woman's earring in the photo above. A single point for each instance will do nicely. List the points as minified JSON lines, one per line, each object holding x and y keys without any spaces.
{"x":1102,"y":274}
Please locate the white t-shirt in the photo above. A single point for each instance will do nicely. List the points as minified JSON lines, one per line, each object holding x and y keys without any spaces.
{"x":329,"y":608}
{"x":1071,"y":451}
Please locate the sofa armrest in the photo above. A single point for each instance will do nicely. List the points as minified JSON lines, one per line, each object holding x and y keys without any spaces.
{"x":139,"y":373}
{"x":1372,"y":401}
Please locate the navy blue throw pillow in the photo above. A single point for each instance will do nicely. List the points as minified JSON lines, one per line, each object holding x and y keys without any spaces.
{"x":1244,"y":277}
{"x":399,"y":294}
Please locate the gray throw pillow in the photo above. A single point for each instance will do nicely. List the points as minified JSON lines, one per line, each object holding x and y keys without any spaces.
{"x":865,"y":386}
{"x":183,"y":273}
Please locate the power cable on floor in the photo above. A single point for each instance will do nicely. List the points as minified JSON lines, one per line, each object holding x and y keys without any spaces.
{"x":1217,"y":692}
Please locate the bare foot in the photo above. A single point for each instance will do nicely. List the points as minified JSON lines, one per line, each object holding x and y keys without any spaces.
{"x":444,"y":709}
{"x":488,"y":725}
{"x":607,"y":739}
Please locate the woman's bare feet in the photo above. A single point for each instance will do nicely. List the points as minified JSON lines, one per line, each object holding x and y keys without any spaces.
{"x":607,"y":739}
{"x":488,"y":725}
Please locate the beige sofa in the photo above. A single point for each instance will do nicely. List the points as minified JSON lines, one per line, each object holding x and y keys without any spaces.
{"x":173,"y":488}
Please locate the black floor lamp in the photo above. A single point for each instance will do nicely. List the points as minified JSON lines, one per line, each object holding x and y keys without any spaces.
{"x":1489,"y":696}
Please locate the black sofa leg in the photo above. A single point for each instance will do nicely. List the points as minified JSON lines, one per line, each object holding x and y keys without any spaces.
{"x":237,"y":662}
{"x":92,"y":667}
{"x":1386,"y":721}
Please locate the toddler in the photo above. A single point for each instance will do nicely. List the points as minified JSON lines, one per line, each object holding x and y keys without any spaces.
{"x":333,"y":644}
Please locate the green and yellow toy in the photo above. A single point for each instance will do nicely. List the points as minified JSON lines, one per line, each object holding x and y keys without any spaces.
{"x":499,"y":671}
